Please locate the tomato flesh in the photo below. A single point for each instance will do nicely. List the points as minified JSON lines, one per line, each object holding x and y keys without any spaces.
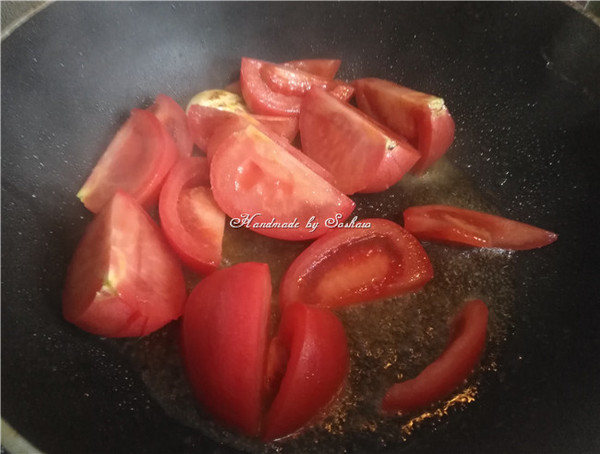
{"x":136,"y":161}
{"x":123,"y":279}
{"x":356,"y":265}
{"x":271,"y":89}
{"x":191,"y":220}
{"x":312,"y":343}
{"x":447,"y":372}
{"x":174,"y":119}
{"x":453,"y":225}
{"x":255,"y":178}
{"x":321,"y":67}
{"x":224,"y":343}
{"x":355,"y":150}
{"x":422,"y":118}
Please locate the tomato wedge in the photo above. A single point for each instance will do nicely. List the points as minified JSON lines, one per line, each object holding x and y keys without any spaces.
{"x":262,"y":186}
{"x":322,"y":67}
{"x":360,"y":154}
{"x":351,"y":265}
{"x":192,"y":221}
{"x":123,"y":279}
{"x":204,"y":121}
{"x":136,"y":161}
{"x":453,"y":225}
{"x":422,"y":118}
{"x":224,"y":343}
{"x":447,"y":372}
{"x":314,"y":342}
{"x":272,"y":89}
{"x":173,"y":118}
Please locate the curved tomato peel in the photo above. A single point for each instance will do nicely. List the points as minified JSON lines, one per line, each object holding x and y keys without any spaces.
{"x":447,"y":372}
{"x":174,"y":119}
{"x":454,"y":225}
{"x":136,"y":161}
{"x":356,"y":265}
{"x":312,"y":344}
{"x":224,"y":343}
{"x":110,"y":290}
{"x":190,"y":218}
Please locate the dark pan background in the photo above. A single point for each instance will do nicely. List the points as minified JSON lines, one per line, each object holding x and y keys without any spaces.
{"x":522,"y":81}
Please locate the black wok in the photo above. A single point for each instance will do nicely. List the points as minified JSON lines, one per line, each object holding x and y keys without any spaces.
{"x":523,"y":83}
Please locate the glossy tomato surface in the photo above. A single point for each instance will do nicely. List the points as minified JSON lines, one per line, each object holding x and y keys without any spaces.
{"x":313,"y":342}
{"x":262,"y":186}
{"x":224,"y":343}
{"x":136,"y":161}
{"x":356,"y":265}
{"x":422,"y":118}
{"x":192,"y":221}
{"x":359,"y":153}
{"x":322,"y":67}
{"x":273,"y":89}
{"x":449,"y":224}
{"x":174,"y":119}
{"x":123,"y":279}
{"x":447,"y":372}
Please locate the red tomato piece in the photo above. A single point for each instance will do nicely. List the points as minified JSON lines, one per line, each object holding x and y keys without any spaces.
{"x":173,"y":118}
{"x":356,"y":265}
{"x":136,"y":161}
{"x":314,"y":342}
{"x":191,"y":219}
{"x":322,"y":67}
{"x":447,"y":372}
{"x":422,"y":118}
{"x":262,"y":186}
{"x":224,"y":343}
{"x":472,"y":228}
{"x":272,"y":89}
{"x":204,"y":121}
{"x":123,"y":279}
{"x":360,"y":154}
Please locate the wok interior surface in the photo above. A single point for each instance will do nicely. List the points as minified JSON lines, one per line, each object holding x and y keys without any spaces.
{"x":522,"y":81}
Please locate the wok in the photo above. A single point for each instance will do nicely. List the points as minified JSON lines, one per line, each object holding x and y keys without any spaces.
{"x":522,"y":81}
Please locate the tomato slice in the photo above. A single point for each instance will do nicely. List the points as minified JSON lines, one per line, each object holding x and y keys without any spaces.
{"x":224,"y":343}
{"x":447,"y":372}
{"x":204,"y":121}
{"x":355,"y":265}
{"x":192,"y":221}
{"x":314,"y":342}
{"x":361,"y":155}
{"x":136,"y":161}
{"x":173,"y":118}
{"x":422,"y":118}
{"x":272,"y":89}
{"x":262,"y":186}
{"x":472,"y":228}
{"x":123,"y":279}
{"x":322,"y":67}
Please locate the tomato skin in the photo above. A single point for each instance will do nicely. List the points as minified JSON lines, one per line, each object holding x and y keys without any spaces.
{"x":357,"y":265}
{"x":322,"y":67}
{"x":453,"y":225}
{"x":271,"y":89}
{"x":447,"y":372}
{"x":422,"y":118}
{"x":357,"y":151}
{"x":136,"y":161}
{"x":224,"y":343}
{"x":251,"y":174}
{"x":317,"y":367}
{"x":174,"y":119}
{"x":110,"y":290}
{"x":191,"y":220}
{"x":204,"y":121}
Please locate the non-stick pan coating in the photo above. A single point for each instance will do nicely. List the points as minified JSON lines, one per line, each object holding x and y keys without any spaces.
{"x":523,"y":83}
